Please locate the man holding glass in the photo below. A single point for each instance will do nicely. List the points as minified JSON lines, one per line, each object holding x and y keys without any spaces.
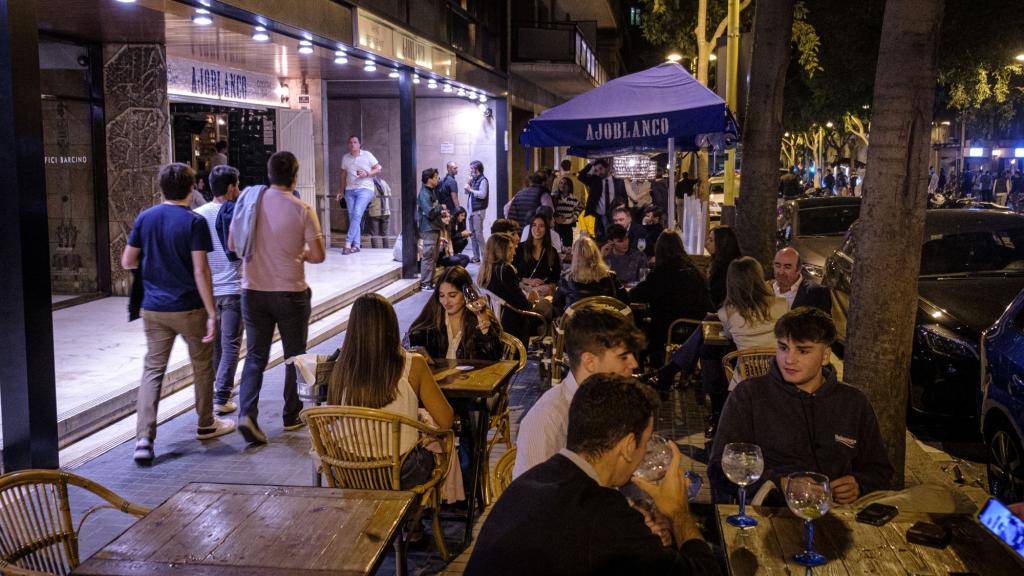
{"x":803,"y":419}
{"x":566,"y":515}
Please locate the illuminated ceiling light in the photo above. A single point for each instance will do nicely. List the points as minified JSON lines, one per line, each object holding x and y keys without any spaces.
{"x":370,"y":65}
{"x":945,"y":122}
{"x":472,"y":95}
{"x":260,"y":34}
{"x":461,"y":92}
{"x":713,"y":57}
{"x":674,"y":57}
{"x":340,"y":57}
{"x":202,"y":17}
{"x":305,"y":47}
{"x":126,"y":1}
{"x":432,"y":84}
{"x":481,"y":107}
{"x":205,"y":3}
{"x":483,"y":98}
{"x":415,"y":78}
{"x":447,"y":88}
{"x":393,"y":74}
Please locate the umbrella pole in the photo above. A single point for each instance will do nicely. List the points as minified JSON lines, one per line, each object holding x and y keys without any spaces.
{"x":671,"y":208}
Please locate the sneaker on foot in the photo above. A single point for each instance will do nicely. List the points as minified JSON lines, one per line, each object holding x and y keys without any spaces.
{"x":225,"y":408}
{"x":144,"y":451}
{"x":221,"y":426}
{"x":346,"y":251}
{"x":251,"y":432}
{"x":295,"y":425}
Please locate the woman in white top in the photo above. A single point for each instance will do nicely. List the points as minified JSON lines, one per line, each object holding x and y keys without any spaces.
{"x":750,"y":309}
{"x":373,"y":371}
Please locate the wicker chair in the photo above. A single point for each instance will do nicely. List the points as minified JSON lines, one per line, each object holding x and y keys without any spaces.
{"x":360,"y":448}
{"x":500,"y":421}
{"x":503,"y":472}
{"x":540,"y":340}
{"x":678,"y":332}
{"x":749,"y":363}
{"x":558,"y":360}
{"x":37,"y":533}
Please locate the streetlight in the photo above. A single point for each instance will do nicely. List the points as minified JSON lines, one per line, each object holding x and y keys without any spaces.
{"x":829,"y":124}
{"x":1019,"y":57}
{"x":713,"y":57}
{"x":674,"y":57}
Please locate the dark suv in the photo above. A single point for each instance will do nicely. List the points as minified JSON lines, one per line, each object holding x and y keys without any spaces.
{"x":972,"y":266}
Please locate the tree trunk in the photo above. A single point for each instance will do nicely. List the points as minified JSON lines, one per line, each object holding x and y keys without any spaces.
{"x":883,"y":302}
{"x":762,"y":134}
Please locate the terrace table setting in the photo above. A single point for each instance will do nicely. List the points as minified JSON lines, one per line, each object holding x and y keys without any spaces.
{"x":257,"y":530}
{"x":851,"y":547}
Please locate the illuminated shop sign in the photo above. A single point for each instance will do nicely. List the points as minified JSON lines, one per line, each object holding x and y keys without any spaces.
{"x":215,"y":82}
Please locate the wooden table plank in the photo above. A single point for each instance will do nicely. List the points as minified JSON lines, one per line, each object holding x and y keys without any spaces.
{"x":750,"y":551}
{"x":482,"y":381}
{"x":714,"y":334}
{"x":236,"y":529}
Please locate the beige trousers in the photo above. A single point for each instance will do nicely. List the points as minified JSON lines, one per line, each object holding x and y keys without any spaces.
{"x":161,"y":330}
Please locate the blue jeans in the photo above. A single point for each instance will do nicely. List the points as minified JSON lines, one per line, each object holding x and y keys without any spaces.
{"x":225,"y":347}
{"x":357,"y":199}
{"x":262,"y":311}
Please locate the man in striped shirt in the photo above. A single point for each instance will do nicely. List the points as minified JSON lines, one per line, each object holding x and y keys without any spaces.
{"x":227,"y":289}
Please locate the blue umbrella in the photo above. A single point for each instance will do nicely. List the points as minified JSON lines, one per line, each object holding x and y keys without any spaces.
{"x":637,"y":113}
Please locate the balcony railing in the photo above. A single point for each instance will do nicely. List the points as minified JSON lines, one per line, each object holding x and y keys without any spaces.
{"x":558,"y":42}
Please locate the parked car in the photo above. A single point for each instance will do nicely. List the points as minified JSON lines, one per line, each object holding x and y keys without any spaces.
{"x":972,"y":266}
{"x":815,"y":227}
{"x":716,"y":195}
{"x":1002,"y":405}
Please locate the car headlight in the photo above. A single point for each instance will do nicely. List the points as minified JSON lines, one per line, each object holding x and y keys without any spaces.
{"x":814,"y":271}
{"x":944,"y":341}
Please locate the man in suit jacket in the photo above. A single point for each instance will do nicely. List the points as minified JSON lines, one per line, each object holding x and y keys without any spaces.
{"x":790,"y":284}
{"x":605,"y":192}
{"x":567,"y":516}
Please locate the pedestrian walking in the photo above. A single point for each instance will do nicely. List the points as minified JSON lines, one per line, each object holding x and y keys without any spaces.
{"x":169,"y":244}
{"x":285,"y":235}
{"x":478,"y":191}
{"x":358,"y":169}
{"x":227,"y":285}
{"x":430,"y":211}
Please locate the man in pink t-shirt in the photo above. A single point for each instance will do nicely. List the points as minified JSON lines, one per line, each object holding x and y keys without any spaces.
{"x":274,"y":291}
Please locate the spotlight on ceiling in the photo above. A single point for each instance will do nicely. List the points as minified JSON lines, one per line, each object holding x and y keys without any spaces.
{"x":260,"y":34}
{"x":305,"y":47}
{"x":202,"y":17}
{"x":340,"y":57}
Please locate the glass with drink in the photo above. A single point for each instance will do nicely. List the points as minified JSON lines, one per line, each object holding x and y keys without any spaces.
{"x":474,"y":301}
{"x":656,"y":462}
{"x":808,"y":495}
{"x":743,"y":464}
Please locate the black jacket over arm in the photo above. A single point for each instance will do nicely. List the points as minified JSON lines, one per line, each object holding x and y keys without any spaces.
{"x":555,"y":519}
{"x":833,"y":432}
{"x":474,"y":345}
{"x":570,"y":291}
{"x":671,"y":293}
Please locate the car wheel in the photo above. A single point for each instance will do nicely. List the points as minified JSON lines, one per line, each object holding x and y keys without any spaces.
{"x":1005,"y":465}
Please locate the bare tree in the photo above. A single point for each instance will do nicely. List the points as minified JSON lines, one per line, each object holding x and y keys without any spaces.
{"x":883,"y":301}
{"x":762,"y":135}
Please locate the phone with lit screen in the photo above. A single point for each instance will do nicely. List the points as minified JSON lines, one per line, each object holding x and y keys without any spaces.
{"x":1003,"y":524}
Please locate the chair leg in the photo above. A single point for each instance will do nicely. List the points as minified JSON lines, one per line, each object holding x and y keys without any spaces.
{"x":401,"y":565}
{"x":435,"y":502}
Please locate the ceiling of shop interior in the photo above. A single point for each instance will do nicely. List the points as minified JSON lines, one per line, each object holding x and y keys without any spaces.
{"x":226,"y":42}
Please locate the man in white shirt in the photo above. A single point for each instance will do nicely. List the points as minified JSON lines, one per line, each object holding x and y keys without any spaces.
{"x":790,"y":284}
{"x":358,"y":168}
{"x":597,"y":341}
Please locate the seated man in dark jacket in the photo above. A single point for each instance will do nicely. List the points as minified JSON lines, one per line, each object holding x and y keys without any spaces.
{"x":803,"y":418}
{"x":566,"y":516}
{"x":789,"y":283}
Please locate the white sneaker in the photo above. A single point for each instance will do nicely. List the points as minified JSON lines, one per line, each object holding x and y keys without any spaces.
{"x":221,"y":426}
{"x":144,"y":451}
{"x":225,"y":408}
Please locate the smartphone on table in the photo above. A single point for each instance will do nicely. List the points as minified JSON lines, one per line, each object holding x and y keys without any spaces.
{"x":877,"y":514}
{"x":1004,"y":525}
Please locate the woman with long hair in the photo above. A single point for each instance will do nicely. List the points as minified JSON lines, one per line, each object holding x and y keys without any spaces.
{"x":447,"y":328}
{"x":673,"y":289}
{"x":588,"y":275}
{"x":723,"y":246}
{"x":567,"y":209}
{"x":373,"y":371}
{"x":537,"y":261}
{"x":499,"y":277}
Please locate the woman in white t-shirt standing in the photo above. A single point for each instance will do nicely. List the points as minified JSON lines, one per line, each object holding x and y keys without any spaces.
{"x":358,"y":168}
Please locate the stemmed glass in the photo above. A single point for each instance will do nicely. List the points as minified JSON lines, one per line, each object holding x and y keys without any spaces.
{"x":657,"y":459}
{"x":808,"y":495}
{"x":641,"y":244}
{"x":473,"y":300}
{"x":743,"y":464}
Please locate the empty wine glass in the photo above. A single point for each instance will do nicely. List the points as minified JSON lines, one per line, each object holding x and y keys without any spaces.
{"x":656,"y":462}
{"x":808,"y":495}
{"x":473,"y":300}
{"x":743,"y":464}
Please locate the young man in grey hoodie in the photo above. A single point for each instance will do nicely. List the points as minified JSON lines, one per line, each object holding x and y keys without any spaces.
{"x":803,"y":418}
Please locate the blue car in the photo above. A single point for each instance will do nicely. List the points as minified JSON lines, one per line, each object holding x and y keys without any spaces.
{"x":1002,"y":406}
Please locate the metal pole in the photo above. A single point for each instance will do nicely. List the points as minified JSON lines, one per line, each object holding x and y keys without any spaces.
{"x":410,"y":183}
{"x":732,"y":63}
{"x":671,"y":218}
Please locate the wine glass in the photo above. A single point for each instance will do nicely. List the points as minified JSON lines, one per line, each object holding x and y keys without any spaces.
{"x":641,"y":244}
{"x":657,"y":459}
{"x":743,"y":464}
{"x":808,"y":495}
{"x":473,"y":300}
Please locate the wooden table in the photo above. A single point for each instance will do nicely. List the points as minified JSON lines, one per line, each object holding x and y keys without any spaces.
{"x":257,"y":530}
{"x":473,"y":384}
{"x":855,"y":548}
{"x":713,"y":333}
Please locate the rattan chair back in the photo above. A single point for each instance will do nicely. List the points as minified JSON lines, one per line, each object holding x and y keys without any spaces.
{"x":749,"y":363}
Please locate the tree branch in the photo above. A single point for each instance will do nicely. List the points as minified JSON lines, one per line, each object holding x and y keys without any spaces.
{"x":724,"y":24}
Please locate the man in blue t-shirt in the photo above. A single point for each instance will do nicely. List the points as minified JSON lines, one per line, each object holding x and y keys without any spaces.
{"x":169,"y":243}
